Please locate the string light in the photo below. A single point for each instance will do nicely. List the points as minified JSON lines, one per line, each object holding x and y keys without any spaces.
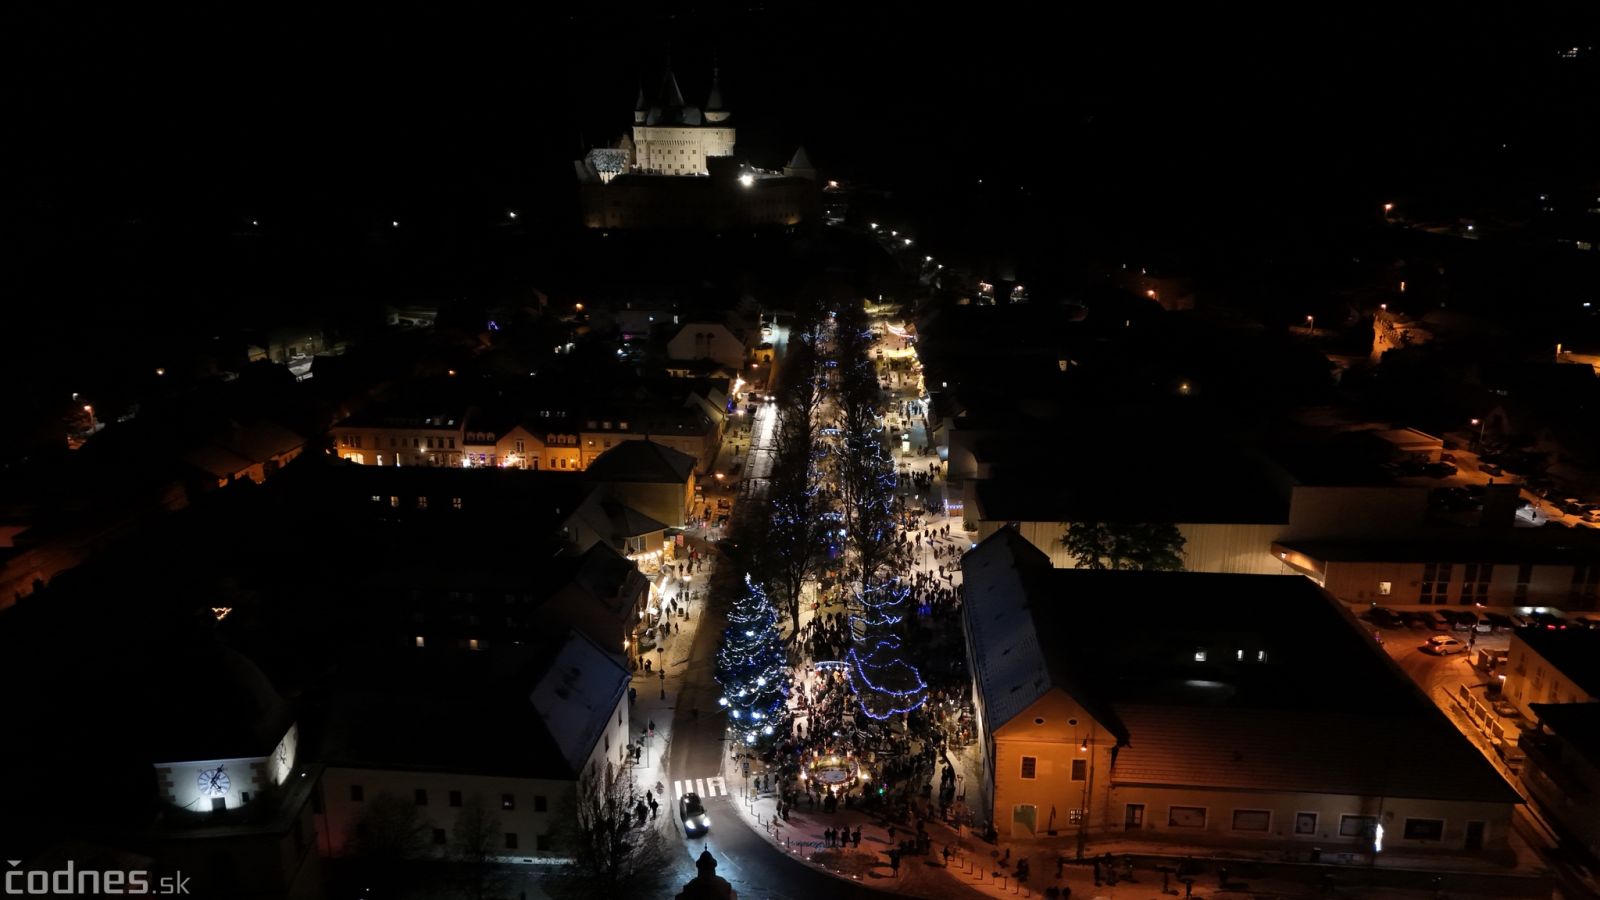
{"x":750,"y":665}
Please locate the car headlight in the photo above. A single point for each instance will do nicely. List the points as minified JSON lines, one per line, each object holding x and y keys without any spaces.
{"x":705,"y":821}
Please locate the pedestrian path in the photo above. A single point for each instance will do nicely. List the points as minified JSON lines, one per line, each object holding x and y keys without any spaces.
{"x":715,"y":786}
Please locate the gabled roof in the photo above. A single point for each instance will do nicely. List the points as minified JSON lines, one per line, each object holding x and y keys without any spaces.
{"x":800,"y":160}
{"x":422,"y":710}
{"x":216,"y":462}
{"x":1300,"y":750}
{"x":204,"y":700}
{"x":576,"y":695}
{"x":644,"y":462}
{"x":1221,"y":664}
{"x":613,"y":519}
{"x":1012,"y":668}
{"x":260,"y":441}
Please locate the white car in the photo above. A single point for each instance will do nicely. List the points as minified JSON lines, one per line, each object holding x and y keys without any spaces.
{"x":1443,"y":645}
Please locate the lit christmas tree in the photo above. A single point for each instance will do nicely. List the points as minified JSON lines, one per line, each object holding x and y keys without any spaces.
{"x":750,"y":667}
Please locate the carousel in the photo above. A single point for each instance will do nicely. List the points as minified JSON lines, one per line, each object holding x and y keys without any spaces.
{"x":832,"y":771}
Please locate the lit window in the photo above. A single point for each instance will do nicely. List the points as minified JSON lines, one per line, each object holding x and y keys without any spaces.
{"x":422,"y":503}
{"x":1200,"y":656}
{"x":1240,"y":656}
{"x":421,"y":641}
{"x":472,"y":644}
{"x":455,"y":502}
{"x":1261,"y":656}
{"x":1384,"y":587}
{"x":394,"y":502}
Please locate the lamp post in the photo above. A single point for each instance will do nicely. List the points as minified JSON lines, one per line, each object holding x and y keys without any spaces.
{"x":1311,"y":325}
{"x":1481,"y":423}
{"x":93,"y":425}
{"x":1088,"y":791}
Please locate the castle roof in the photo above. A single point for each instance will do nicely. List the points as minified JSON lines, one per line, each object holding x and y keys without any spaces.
{"x":714,"y":99}
{"x":800,"y":160}
{"x":670,"y":108}
{"x":641,"y":461}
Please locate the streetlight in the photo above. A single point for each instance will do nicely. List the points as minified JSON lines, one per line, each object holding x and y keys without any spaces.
{"x":1088,"y":789}
{"x":1311,"y":324}
{"x":93,"y":426}
{"x":1481,"y":423}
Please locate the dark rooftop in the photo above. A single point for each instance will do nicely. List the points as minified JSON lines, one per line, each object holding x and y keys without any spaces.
{"x":1576,"y":723}
{"x":642,"y":461}
{"x":1210,"y":671}
{"x":1574,"y":651}
{"x":1131,"y":484}
{"x":445,"y":711}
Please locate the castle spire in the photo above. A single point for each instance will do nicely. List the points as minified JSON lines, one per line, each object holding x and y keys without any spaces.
{"x":714,"y":99}
{"x":671,"y":96}
{"x":716,"y":110}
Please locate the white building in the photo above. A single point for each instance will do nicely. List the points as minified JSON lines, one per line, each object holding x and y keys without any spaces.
{"x":441,"y":733}
{"x":672,"y":138}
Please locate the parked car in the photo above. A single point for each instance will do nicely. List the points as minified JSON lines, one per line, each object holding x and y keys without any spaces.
{"x":1434,"y":621}
{"x":695,"y":821}
{"x":1444,"y":645}
{"x":1383,"y":618}
{"x":1413,"y":619}
{"x":1549,"y":622}
{"x":1498,"y":621}
{"x":1439,"y":470}
{"x":1491,"y":469}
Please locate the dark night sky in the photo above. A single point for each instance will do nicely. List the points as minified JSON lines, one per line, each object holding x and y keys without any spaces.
{"x":145,"y":140}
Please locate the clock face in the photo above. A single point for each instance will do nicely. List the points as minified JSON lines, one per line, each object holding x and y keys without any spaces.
{"x":213,"y":782}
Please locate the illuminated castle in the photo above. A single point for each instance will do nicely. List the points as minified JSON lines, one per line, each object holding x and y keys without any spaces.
{"x":678,"y":169}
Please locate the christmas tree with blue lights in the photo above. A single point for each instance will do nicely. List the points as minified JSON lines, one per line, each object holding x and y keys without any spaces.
{"x":750,"y":667}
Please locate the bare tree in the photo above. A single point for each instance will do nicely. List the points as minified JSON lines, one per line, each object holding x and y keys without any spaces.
{"x":611,"y":852}
{"x":391,"y":829}
{"x":387,"y":840}
{"x":475,"y":844}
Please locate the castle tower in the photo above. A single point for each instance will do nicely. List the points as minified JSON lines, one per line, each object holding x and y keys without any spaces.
{"x":641,"y":108}
{"x":800,"y":166}
{"x":715,"y":110}
{"x":676,"y":138}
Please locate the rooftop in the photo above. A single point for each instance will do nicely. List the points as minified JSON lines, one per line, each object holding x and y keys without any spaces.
{"x":1132,"y":484}
{"x":458,"y":712}
{"x":642,"y":461}
{"x":1234,"y":667}
{"x":1538,"y":546}
{"x":1574,"y":651}
{"x":1578,"y":724}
